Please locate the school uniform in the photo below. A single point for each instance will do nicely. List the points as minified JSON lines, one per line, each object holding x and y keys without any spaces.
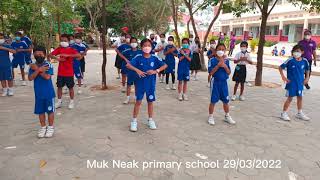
{"x":195,"y":60}
{"x":161,"y":53}
{"x":170,"y":59}
{"x":146,"y":85}
{"x":295,"y":74}
{"x":28,"y":41}
{"x":154,"y":45}
{"x":240,"y":72}
{"x":118,"y":62}
{"x":19,"y":57}
{"x":5,"y":64}
{"x":80,"y":48}
{"x":44,"y":91}
{"x":83,"y":60}
{"x":209,"y":53}
{"x":132,"y":75}
{"x":219,"y":84}
{"x":184,"y":68}
{"x":123,"y":50}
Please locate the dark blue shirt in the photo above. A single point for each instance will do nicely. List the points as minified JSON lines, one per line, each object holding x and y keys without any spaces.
{"x":221,"y":73}
{"x":4,"y":57}
{"x":184,"y":64}
{"x":43,"y":89}
{"x":19,"y":45}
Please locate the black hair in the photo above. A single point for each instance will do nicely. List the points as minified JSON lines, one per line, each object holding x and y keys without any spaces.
{"x":244,"y":43}
{"x":133,"y":38}
{"x":171,"y":37}
{"x":185,"y":39}
{"x":40,"y":48}
{"x":78,"y":36}
{"x":70,"y":35}
{"x":221,"y":44}
{"x":144,"y":41}
{"x":162,"y":35}
{"x":1,"y":34}
{"x":123,"y":34}
{"x":65,"y":36}
{"x":296,"y":47}
{"x":18,"y":33}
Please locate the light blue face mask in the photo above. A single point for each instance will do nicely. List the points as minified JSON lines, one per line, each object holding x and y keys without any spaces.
{"x":185,"y":46}
{"x":18,"y":38}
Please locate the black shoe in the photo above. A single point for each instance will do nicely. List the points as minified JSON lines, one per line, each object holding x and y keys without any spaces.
{"x":307,"y":86}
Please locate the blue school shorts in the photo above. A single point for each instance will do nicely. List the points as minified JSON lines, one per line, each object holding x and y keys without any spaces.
{"x":18,"y":62}
{"x":77,"y":69}
{"x":145,"y":88}
{"x":6,"y":74}
{"x":219,"y":91}
{"x":44,"y":106}
{"x":183,"y":75}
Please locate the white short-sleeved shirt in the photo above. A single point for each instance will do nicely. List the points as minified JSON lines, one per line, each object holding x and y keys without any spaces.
{"x":117,"y":43}
{"x":240,"y":55}
{"x":161,"y":53}
{"x":193,"y":47}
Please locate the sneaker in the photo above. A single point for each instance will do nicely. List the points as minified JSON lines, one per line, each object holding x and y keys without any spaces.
{"x":71,"y":105}
{"x":123,"y":89}
{"x":42,"y":132}
{"x":126,"y":101}
{"x":196,"y":78}
{"x":50,"y":131}
{"x":284,"y":116}
{"x":79,"y":91}
{"x":173,"y":87}
{"x":4,"y":92}
{"x":24,"y":83}
{"x":133,"y":126}
{"x":185,"y":97}
{"x":180,"y":97}
{"x":118,"y":76}
{"x":10,"y":92}
{"x":242,"y":98}
{"x":58,"y":104}
{"x":233,"y":98}
{"x":302,"y":116}
{"x":211,"y":121}
{"x":229,"y":120}
{"x":152,"y":124}
{"x":167,"y":87}
{"x":82,"y":82}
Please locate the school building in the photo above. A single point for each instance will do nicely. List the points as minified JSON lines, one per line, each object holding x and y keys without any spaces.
{"x":286,"y":23}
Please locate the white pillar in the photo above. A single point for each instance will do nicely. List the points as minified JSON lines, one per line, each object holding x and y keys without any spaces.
{"x":306,"y":23}
{"x":281,"y":25}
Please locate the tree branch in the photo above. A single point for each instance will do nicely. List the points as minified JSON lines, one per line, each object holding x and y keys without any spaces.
{"x":258,"y":4}
{"x":274,"y":4}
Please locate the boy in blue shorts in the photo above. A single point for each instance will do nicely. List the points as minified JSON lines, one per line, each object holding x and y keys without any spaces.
{"x":28,"y":41}
{"x":5,"y":67}
{"x":147,"y":66}
{"x":170,"y":52}
{"x":19,"y":57}
{"x":296,"y":68}
{"x":219,"y":70}
{"x":184,"y":69}
{"x":41,"y":72}
{"x":131,"y":75}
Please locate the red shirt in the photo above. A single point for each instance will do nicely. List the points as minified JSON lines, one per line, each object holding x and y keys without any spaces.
{"x":65,"y":67}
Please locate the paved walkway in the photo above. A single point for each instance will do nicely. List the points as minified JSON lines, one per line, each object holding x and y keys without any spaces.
{"x":97,"y":129}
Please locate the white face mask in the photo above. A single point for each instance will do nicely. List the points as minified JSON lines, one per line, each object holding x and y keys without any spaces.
{"x":220,"y":53}
{"x":243,"y":49}
{"x":170,"y":42}
{"x":307,"y":37}
{"x":213,"y":46}
{"x":127,"y":40}
{"x":122,"y":38}
{"x":297,"y":54}
{"x":78,"y":41}
{"x":147,"y":50}
{"x":72,"y":41}
{"x":163,"y":39}
{"x":64,"y":44}
{"x":134,"y":45}
{"x":2,"y":41}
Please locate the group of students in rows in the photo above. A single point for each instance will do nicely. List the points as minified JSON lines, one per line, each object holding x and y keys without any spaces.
{"x":70,"y":55}
{"x":141,"y":67}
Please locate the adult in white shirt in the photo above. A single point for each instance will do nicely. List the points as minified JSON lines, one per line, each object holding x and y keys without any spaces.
{"x":195,"y":64}
{"x":159,"y":50}
{"x":118,"y":61}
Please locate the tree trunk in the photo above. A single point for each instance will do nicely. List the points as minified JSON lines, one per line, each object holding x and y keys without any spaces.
{"x":2,"y":23}
{"x":175,"y":20}
{"x":258,"y":80}
{"x":188,"y":27}
{"x":104,"y":46}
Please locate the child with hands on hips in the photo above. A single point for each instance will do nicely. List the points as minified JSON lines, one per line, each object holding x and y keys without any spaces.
{"x":147,"y":66}
{"x":219,"y":69}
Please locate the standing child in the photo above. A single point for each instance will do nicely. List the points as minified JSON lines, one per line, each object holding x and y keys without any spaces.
{"x":118,"y":61}
{"x":121,"y":50}
{"x":296,"y":67}
{"x":211,"y":53}
{"x":184,"y":69}
{"x":133,"y":52}
{"x":146,"y":66}
{"x":19,"y":57}
{"x":170,"y":51}
{"x":5,"y":67}
{"x":65,"y":55}
{"x":195,"y":64}
{"x":28,"y":41}
{"x":283,"y":51}
{"x":160,"y":49}
{"x":240,"y":73}
{"x":41,"y":73}
{"x":275,"y":51}
{"x":219,"y":69}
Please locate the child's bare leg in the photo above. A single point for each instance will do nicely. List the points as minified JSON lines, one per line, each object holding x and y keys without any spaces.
{"x":79,"y":82}
{"x":136,"y":109}
{"x":235,"y":88}
{"x":59,"y":92}
{"x":241,"y":88}
{"x":179,"y":87}
{"x":185,"y":85}
{"x":51,"y":119}
{"x":211,"y":108}
{"x":10,"y":84}
{"x":4,"y":84}
{"x":124,"y":79}
{"x":287,"y":104}
{"x":71,"y":93}
{"x":22,"y":74}
{"x":128,"y":90}
{"x":299,"y":103}
{"x":150,"y":109}
{"x":42,"y":118}
{"x":226,"y":108}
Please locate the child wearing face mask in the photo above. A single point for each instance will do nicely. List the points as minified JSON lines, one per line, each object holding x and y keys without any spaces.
{"x":40,"y":73}
{"x":121,"y":50}
{"x":170,"y":51}
{"x":6,"y":77}
{"x":65,"y":55}
{"x":219,"y":69}
{"x":184,"y":56}
{"x":195,"y":64}
{"x":118,"y":61}
{"x":146,"y":66}
{"x":133,"y":52}
{"x":240,"y":73}
{"x":210,"y":54}
{"x":160,"y":49}
{"x":296,"y":67}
